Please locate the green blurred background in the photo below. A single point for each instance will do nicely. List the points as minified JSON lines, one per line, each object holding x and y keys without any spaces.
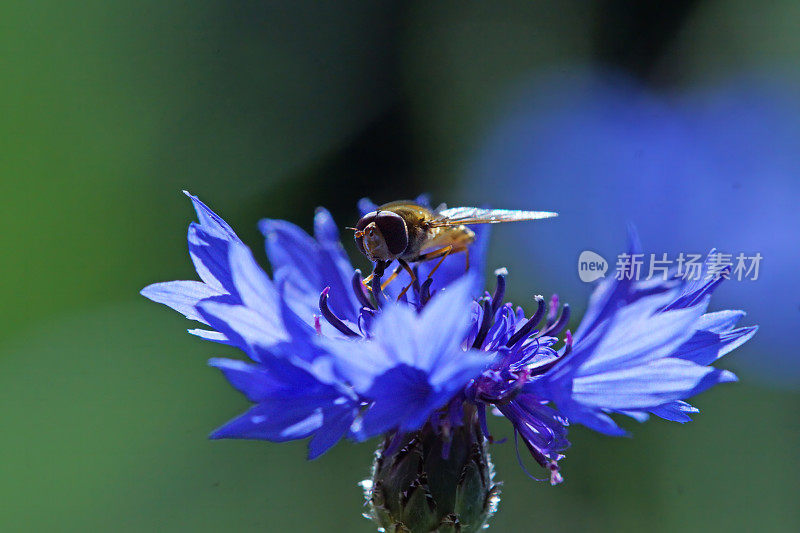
{"x":109,"y":109}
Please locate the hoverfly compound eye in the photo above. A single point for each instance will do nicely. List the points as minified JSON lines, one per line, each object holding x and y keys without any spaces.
{"x":365,"y":220}
{"x":363,"y":223}
{"x":394,"y":231}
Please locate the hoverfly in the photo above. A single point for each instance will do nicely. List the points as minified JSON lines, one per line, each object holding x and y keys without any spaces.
{"x":410,"y":233}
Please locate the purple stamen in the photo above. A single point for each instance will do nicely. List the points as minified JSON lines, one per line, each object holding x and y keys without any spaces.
{"x":377,"y":291}
{"x":533,"y":350}
{"x":556,"y":327}
{"x":567,"y":343}
{"x":365,"y":318}
{"x":555,"y":475}
{"x":553,"y":310}
{"x":361,"y":292}
{"x":425,"y":292}
{"x":415,"y":284}
{"x":499,"y":293}
{"x":528,"y":327}
{"x":538,"y":371}
{"x":519,"y":458}
{"x":485,"y":323}
{"x":332,"y":319}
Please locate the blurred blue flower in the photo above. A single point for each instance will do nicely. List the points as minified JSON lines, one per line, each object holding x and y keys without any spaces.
{"x":330,"y":360}
{"x":713,"y":166}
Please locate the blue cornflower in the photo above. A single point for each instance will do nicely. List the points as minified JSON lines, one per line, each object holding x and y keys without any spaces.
{"x":329,"y":360}
{"x":642,"y":348}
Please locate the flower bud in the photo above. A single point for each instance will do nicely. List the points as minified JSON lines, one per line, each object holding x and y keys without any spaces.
{"x":433,"y":482}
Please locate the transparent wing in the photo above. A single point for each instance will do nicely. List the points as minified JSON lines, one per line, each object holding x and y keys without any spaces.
{"x":475,"y":215}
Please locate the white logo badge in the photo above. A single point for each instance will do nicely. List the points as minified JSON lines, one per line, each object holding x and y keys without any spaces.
{"x":591,"y":266}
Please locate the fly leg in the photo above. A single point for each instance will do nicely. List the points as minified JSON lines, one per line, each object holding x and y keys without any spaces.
{"x":407,"y":268}
{"x":443,"y":253}
{"x":394,"y":275}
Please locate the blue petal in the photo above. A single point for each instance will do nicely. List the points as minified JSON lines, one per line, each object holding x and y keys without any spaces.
{"x":641,"y":349}
{"x":252,"y":284}
{"x":715,"y":337}
{"x":292,"y":404}
{"x":635,"y":337}
{"x":301,"y":333}
{"x":693,"y":291}
{"x":273,"y":421}
{"x":675,"y":411}
{"x":210,"y":257}
{"x":646,"y":386}
{"x":720,"y":321}
{"x":306,"y":267}
{"x":210,"y":335}
{"x":209,"y":241}
{"x":293,"y":253}
{"x":251,"y":319}
{"x":211,"y":222}
{"x":246,"y":328}
{"x":413,"y":364}
{"x":402,"y":398}
{"x":430,"y":341}
{"x":326,"y":232}
{"x":280,"y":380}
{"x":365,"y":205}
{"x":639,"y":416}
{"x":438,"y":331}
{"x":356,"y":362}
{"x":594,"y":419}
{"x":498,"y":334}
{"x":336,"y":420}
{"x":336,"y":268}
{"x":612,"y":294}
{"x":541,"y":428}
{"x":182,"y":296}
